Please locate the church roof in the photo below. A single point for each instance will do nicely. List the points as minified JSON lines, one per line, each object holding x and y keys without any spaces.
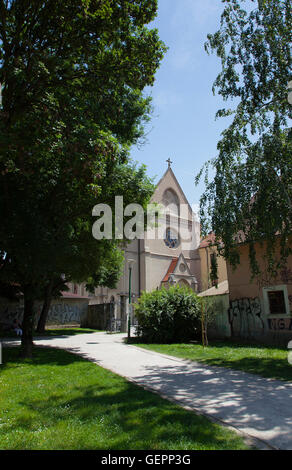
{"x":170,"y":270}
{"x":170,"y":171}
{"x":209,"y":240}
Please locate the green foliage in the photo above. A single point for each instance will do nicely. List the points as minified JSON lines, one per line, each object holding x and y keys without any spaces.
{"x":72,"y":105}
{"x":207,"y":314}
{"x":249,"y":199}
{"x":209,"y":309}
{"x":72,"y":76}
{"x":214,"y":268}
{"x":168,"y":315}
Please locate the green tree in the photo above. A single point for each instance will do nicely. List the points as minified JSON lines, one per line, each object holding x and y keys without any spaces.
{"x":72,"y":76}
{"x":207,"y":314}
{"x":249,"y":199}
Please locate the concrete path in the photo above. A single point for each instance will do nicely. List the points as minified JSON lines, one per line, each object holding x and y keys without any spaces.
{"x":258,"y":407}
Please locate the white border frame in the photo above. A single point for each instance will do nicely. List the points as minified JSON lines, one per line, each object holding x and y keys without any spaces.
{"x":267,"y":304}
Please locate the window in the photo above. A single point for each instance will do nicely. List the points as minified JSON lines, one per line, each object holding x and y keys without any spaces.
{"x":182,"y":268}
{"x":171,"y":238}
{"x":276,"y":302}
{"x":171,"y":201}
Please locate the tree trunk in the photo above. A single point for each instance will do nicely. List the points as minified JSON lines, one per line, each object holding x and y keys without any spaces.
{"x":45,"y":310}
{"x":27,"y":328}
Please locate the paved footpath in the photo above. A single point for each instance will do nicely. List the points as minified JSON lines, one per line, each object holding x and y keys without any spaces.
{"x":258,"y":407}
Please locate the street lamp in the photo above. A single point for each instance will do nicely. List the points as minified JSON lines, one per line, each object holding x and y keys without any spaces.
{"x":131,"y":263}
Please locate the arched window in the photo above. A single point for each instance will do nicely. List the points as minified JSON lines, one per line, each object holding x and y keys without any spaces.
{"x":171,"y":239}
{"x":171,"y":201}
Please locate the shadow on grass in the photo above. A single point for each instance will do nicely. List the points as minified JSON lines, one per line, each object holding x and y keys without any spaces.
{"x":268,"y":368}
{"x":264,"y":360}
{"x":242,"y":343}
{"x":100,"y":410}
{"x":42,"y":355}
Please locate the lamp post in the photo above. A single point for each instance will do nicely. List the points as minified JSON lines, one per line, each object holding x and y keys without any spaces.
{"x":131,"y":263}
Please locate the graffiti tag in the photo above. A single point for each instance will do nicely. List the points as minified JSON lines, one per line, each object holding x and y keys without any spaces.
{"x":245,"y":317}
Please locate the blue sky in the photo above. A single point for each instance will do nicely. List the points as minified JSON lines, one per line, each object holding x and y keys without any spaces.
{"x":183,"y":125}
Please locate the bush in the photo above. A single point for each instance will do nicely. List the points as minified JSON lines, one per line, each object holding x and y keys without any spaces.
{"x":168,"y":316}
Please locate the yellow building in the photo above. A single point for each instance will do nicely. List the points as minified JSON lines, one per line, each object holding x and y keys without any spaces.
{"x":209,"y":255}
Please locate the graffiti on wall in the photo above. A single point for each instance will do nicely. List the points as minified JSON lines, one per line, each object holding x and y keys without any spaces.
{"x":277,"y":324}
{"x":65,"y":313}
{"x":245,"y":317}
{"x":59,"y":313}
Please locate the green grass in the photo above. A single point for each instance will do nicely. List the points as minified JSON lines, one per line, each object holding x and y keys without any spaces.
{"x":266,"y":361}
{"x":52,"y":332}
{"x":61,"y":401}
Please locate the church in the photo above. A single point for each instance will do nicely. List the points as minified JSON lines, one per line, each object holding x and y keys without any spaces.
{"x":168,"y":254}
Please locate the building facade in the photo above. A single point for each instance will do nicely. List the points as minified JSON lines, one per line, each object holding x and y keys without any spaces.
{"x":167,"y":254}
{"x":260,"y":308}
{"x":209,"y":255}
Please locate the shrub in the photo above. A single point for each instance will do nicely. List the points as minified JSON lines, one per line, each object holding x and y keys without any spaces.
{"x":168,"y":315}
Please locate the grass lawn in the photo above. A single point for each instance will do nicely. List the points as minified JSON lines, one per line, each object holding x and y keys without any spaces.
{"x":266,"y":361}
{"x":61,"y":401}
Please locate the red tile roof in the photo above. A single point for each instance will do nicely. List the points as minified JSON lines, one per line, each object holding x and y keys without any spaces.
{"x":170,"y":270}
{"x":209,"y":240}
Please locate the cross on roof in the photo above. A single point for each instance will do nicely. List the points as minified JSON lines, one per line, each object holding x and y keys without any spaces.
{"x":169,"y":162}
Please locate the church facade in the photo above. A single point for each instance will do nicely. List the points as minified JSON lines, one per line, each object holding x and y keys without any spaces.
{"x":168,"y":253}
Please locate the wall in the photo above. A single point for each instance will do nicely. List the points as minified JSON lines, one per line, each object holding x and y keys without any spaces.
{"x":221,"y":326}
{"x":205,"y":254}
{"x":249,"y":315}
{"x":67,"y":311}
{"x":98,"y":316}
{"x":9,"y":311}
{"x":63,"y":311}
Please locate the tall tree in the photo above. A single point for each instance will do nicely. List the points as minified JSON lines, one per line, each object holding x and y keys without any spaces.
{"x":72,"y":76}
{"x":86,"y":260}
{"x":249,"y":198}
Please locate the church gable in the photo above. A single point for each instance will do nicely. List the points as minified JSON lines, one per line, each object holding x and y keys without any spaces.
{"x":179,"y":273}
{"x":169,"y":193}
{"x":182,"y":268}
{"x":170,"y":270}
